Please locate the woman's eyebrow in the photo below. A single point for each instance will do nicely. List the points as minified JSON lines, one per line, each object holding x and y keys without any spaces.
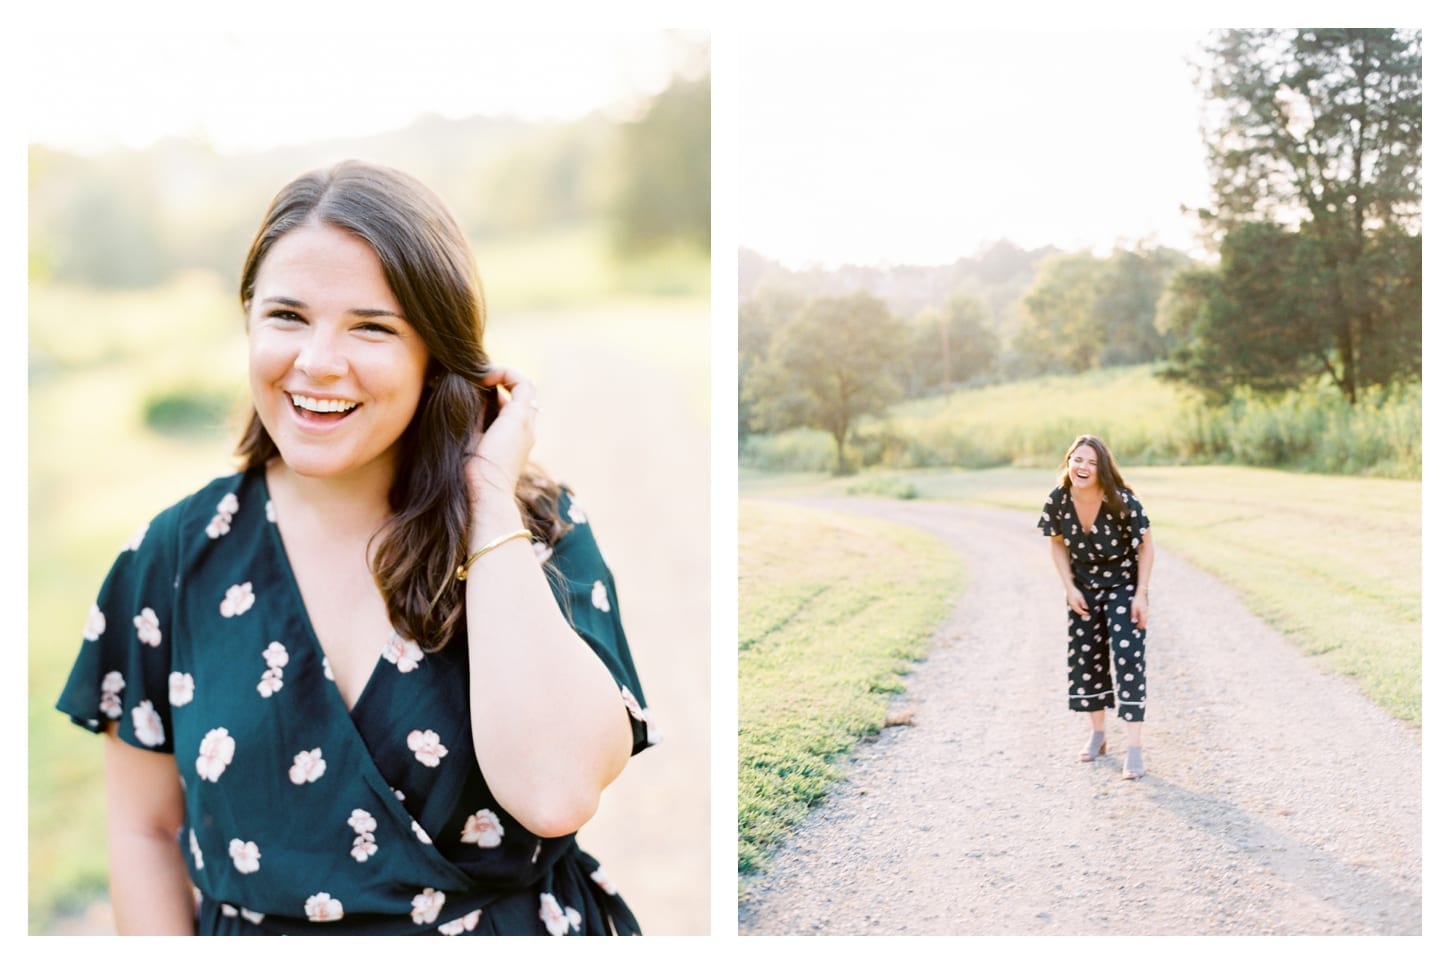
{"x":363,"y":312}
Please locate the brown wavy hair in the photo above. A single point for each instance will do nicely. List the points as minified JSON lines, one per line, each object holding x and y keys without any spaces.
{"x":431,"y":270}
{"x":1109,"y":477}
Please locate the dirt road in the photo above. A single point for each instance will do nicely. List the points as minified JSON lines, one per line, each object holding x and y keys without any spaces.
{"x":1278,"y":800}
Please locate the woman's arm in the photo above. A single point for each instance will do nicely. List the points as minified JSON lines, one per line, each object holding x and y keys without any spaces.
{"x":1075,"y":599}
{"x":1145,"y":570}
{"x":150,"y":891}
{"x":549,"y":726}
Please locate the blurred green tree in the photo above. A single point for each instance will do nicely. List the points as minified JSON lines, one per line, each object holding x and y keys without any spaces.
{"x":830,"y":363}
{"x":664,"y":189}
{"x":949,"y":345}
{"x":1317,"y":135}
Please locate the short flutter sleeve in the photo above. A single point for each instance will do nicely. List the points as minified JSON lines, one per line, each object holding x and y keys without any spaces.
{"x":1137,"y":518}
{"x":1051,"y":520}
{"x":584,"y":587}
{"x":123,"y":671}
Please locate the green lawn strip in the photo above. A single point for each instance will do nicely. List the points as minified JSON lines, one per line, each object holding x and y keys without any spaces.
{"x":833,"y":609}
{"x":1332,"y":562}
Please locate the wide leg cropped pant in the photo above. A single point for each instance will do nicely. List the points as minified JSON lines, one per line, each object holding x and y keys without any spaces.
{"x":1102,"y":646}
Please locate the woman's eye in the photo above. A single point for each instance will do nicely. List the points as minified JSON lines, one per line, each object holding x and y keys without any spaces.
{"x":282,"y":314}
{"x":377,"y":328}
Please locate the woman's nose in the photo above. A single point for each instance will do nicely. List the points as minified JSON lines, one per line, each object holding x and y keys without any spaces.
{"x":321,"y":357}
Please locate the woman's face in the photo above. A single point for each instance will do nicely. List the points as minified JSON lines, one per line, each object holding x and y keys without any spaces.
{"x":336,"y":371}
{"x":1082,"y":467}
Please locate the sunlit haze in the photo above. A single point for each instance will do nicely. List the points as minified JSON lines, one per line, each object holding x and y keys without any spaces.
{"x":896,"y":148}
{"x":249,"y":91}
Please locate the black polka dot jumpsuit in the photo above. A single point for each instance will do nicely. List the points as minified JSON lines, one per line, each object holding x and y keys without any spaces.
{"x":1105,"y":643}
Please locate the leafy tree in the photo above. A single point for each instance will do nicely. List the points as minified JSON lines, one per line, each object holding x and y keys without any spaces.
{"x":828,"y":365}
{"x":1126,"y":307}
{"x":1061,"y":332}
{"x":1319,"y":131}
{"x":948,"y":346}
{"x":1248,"y":322}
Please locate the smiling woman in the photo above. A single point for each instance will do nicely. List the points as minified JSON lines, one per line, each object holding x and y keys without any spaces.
{"x":389,"y":622}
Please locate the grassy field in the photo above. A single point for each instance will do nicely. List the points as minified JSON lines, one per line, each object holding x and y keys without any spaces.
{"x":825,"y":635}
{"x":100,"y":361}
{"x":1148,"y":421}
{"x":1332,"y":562}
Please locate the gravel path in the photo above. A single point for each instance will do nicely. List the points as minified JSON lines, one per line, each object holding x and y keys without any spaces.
{"x":1278,"y":800}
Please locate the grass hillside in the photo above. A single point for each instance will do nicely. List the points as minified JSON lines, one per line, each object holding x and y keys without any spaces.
{"x":1144,"y":419}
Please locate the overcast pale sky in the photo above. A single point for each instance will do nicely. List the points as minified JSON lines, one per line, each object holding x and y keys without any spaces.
{"x":886,"y":147}
{"x":247,"y":90}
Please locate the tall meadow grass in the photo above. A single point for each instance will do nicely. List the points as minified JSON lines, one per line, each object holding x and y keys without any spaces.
{"x":1145,"y":420}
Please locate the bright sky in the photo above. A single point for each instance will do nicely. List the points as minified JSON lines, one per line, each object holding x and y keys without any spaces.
{"x":905,"y":148}
{"x":249,"y":90}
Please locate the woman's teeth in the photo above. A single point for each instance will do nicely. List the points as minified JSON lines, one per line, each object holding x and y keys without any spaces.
{"x":323,"y":404}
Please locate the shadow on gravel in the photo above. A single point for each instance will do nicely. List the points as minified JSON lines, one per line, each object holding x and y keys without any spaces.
{"x":1355,"y":890}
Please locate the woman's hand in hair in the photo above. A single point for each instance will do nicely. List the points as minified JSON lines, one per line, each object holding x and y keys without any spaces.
{"x":502,"y":451}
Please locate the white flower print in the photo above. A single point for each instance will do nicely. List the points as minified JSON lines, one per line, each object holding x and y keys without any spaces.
{"x":631,"y":703}
{"x":148,"y":724}
{"x":465,"y":923}
{"x":421,"y":834}
{"x":402,"y":653}
{"x":576,"y":513}
{"x":542,"y":551}
{"x":363,"y":847}
{"x":426,"y":747}
{"x":603,"y":881}
{"x":362,"y":822}
{"x":253,"y":916}
{"x":483,"y":828}
{"x":181,"y":688}
{"x":148,"y":627}
{"x":238,"y":600}
{"x":307,"y":766}
{"x":326,"y":668}
{"x":600,"y":597}
{"x":134,"y":542}
{"x":270,"y":683}
{"x":427,"y":905}
{"x":95,"y":624}
{"x":217,"y":748}
{"x":245,"y":856}
{"x":111,"y":685}
{"x":271,"y":511}
{"x":538,"y":849}
{"x":221,"y":523}
{"x":556,"y":919}
{"x":196,"y":851}
{"x":323,"y":907}
{"x":275,"y":654}
{"x":228,"y":910}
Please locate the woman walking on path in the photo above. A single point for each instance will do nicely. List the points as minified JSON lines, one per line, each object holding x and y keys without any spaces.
{"x":374,"y":682}
{"x":1103,"y":550}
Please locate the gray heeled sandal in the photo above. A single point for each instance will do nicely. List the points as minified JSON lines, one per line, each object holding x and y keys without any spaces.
{"x":1097,"y":745}
{"x":1133,"y":763}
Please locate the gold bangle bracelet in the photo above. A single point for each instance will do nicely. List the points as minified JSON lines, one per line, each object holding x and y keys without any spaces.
{"x":462,"y":571}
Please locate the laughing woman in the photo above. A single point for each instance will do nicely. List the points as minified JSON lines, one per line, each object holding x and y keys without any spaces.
{"x":1102,"y":548}
{"x":374,"y":682}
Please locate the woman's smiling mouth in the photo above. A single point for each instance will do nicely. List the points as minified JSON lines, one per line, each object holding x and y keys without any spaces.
{"x":311,"y":408}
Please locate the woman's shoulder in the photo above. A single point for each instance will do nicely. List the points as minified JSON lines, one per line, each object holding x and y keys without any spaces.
{"x":205,"y":510}
{"x":1057,"y":495}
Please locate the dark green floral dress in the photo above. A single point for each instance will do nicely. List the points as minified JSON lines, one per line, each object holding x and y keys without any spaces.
{"x":303,"y":817}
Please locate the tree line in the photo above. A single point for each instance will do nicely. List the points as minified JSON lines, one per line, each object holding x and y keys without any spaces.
{"x":1313,"y":145}
{"x":132,"y":219}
